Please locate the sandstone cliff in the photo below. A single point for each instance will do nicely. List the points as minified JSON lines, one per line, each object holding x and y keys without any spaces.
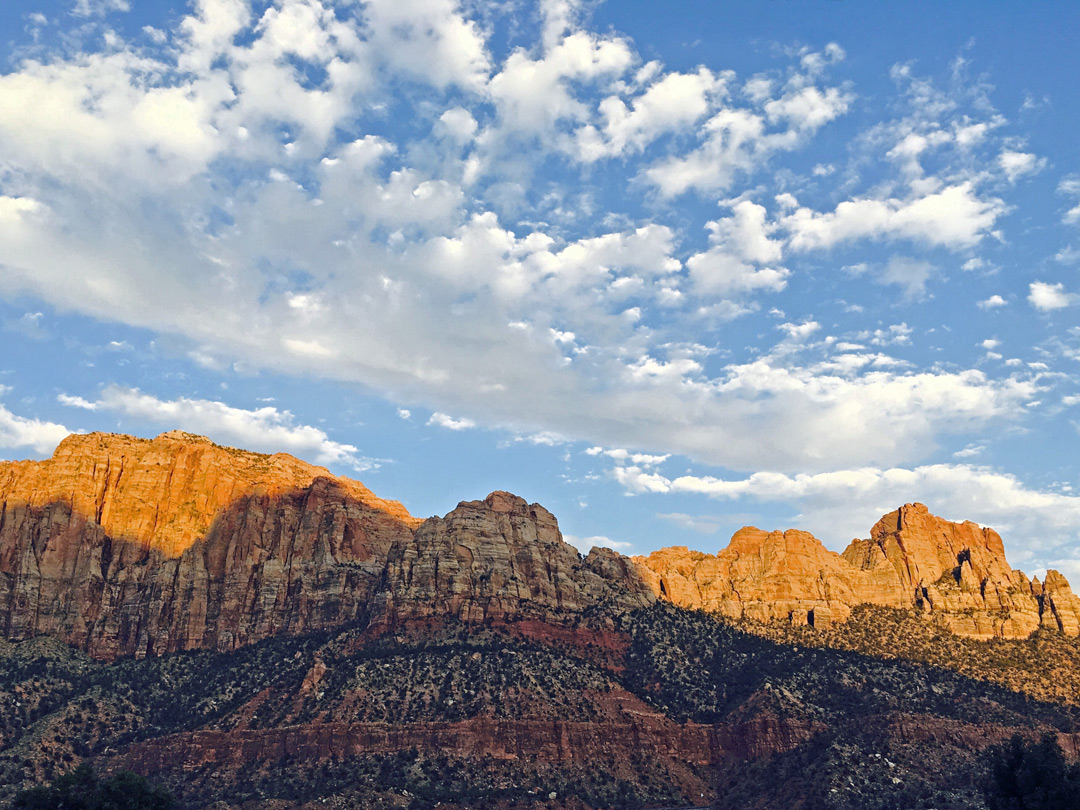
{"x":127,"y":546}
{"x":955,"y":572}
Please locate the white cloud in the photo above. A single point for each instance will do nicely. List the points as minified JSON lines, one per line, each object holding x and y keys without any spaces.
{"x":1070,"y":187}
{"x":458,"y":123}
{"x":846,"y":503}
{"x":622,"y":455}
{"x":993,"y":302}
{"x":736,"y":141}
{"x":98,"y":8}
{"x":533,"y":95}
{"x":897,"y":334}
{"x":739,"y":245}
{"x":583,"y":544}
{"x":266,"y":429}
{"x":970,"y":451}
{"x":798,"y":333}
{"x":443,"y":420}
{"x":910,"y":274}
{"x":12,"y":209}
{"x":954,"y":217}
{"x":396,"y":260}
{"x":672,"y":103}
{"x":1018,"y":164}
{"x":1047,"y":297}
{"x":429,"y":39}
{"x":38,"y":435}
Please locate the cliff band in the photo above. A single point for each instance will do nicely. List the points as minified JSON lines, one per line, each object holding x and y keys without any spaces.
{"x":126,"y":546}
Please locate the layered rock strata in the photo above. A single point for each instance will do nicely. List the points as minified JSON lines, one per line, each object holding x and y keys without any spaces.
{"x":651,"y":735}
{"x":955,"y":572}
{"x":127,"y":546}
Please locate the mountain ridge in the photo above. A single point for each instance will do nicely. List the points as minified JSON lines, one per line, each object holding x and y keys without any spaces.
{"x":293,"y":640}
{"x":128,"y":546}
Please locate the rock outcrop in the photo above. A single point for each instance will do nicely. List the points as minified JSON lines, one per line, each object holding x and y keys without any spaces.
{"x":955,"y":572}
{"x":497,"y":558}
{"x":127,"y":546}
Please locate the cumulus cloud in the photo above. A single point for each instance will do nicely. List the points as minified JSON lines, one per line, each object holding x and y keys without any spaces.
{"x":736,"y":141}
{"x":1070,"y":187}
{"x":38,"y":435}
{"x":843,"y":504}
{"x":909,"y":274}
{"x":1048,"y":297}
{"x":444,"y":420}
{"x":337,"y":243}
{"x":1018,"y":164}
{"x":98,"y":8}
{"x":954,"y":217}
{"x":673,"y":102}
{"x":993,"y":302}
{"x":584,"y":544}
{"x":622,"y":455}
{"x":267,"y":428}
{"x":741,"y":247}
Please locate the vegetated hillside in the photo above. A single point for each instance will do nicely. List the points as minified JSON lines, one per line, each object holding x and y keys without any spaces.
{"x":1045,"y":666}
{"x":256,"y":631}
{"x":659,"y":707}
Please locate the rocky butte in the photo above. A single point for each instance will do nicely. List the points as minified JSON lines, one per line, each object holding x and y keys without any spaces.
{"x":132,"y":547}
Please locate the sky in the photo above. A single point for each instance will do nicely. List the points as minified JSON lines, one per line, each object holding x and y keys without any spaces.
{"x":667,"y":269}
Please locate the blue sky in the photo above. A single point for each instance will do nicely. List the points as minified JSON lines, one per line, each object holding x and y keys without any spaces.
{"x":783,"y":264}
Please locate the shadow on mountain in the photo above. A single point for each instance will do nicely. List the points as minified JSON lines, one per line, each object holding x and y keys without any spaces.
{"x":299,"y":561}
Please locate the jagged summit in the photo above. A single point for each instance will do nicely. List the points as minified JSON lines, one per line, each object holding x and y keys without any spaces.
{"x":134,"y":546}
{"x":127,"y":546}
{"x":182,"y":436}
{"x":955,"y":572}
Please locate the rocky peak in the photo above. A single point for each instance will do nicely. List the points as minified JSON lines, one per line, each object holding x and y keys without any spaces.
{"x":955,"y":572}
{"x":182,"y":436}
{"x":507,"y":502}
{"x":923,"y":547}
{"x":124,"y":545}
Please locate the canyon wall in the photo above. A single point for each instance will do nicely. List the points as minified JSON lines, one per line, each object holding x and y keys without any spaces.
{"x":126,"y":546}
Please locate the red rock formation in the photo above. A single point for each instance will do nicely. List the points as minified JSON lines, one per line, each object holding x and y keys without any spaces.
{"x":497,"y":557}
{"x":956,"y":572}
{"x":129,"y":546}
{"x":651,"y":735}
{"x":126,"y":546}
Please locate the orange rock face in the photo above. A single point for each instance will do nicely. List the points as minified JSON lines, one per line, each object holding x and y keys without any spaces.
{"x":955,"y":572}
{"x":127,"y":546}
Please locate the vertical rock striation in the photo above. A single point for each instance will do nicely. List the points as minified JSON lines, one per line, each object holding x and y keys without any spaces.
{"x":127,"y":546}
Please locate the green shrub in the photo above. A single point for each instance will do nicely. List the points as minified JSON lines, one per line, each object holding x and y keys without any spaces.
{"x":1032,"y":776}
{"x":83,"y":790}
